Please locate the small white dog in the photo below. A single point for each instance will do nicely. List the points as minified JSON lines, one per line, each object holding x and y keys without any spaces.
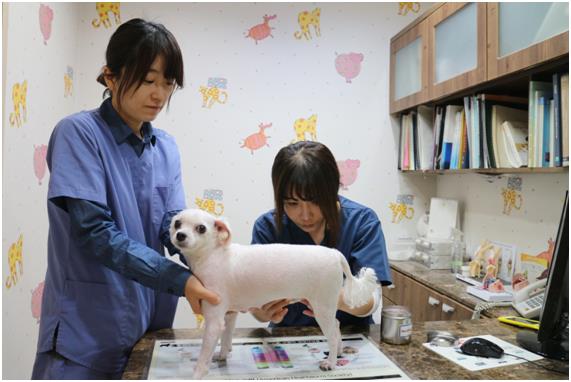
{"x":247,"y":276}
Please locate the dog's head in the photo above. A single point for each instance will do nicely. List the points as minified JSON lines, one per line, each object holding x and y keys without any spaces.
{"x":195,"y":231}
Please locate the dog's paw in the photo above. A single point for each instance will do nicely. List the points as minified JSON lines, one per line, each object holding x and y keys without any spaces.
{"x":325,"y":365}
{"x":199,"y":372}
{"x":220,"y":356}
{"x":350,"y":350}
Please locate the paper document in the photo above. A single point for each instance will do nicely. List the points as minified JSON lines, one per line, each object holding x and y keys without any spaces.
{"x":473,"y":363}
{"x":275,"y":358}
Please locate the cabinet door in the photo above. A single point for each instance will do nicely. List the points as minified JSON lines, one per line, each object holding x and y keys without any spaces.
{"x":454,"y":311}
{"x":394,"y":292}
{"x":425,"y":304}
{"x":457,"y":48}
{"x":409,"y":69}
{"x":521,"y":35}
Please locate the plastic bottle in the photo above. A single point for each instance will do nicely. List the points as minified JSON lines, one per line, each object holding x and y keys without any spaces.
{"x":458,"y":251}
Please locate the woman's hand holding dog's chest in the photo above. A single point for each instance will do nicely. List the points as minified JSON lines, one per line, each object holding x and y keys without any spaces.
{"x":274,"y":311}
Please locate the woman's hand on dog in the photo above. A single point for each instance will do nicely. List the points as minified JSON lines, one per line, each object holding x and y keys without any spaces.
{"x":273,"y":311}
{"x":194,"y":291}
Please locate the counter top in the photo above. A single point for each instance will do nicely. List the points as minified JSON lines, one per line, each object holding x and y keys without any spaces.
{"x":446,"y":283}
{"x":414,"y":359}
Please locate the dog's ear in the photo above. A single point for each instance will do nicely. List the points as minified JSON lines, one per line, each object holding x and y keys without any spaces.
{"x":224,"y":234}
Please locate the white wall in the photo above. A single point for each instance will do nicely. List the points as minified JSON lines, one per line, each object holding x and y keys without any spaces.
{"x":276,"y":81}
{"x":482,"y":205}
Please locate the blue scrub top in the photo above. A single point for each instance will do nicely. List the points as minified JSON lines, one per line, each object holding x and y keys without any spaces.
{"x":361,"y":241}
{"x":96,"y":314}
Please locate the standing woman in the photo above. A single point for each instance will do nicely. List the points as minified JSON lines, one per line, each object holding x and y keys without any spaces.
{"x":115,"y":184}
{"x":309,"y":210}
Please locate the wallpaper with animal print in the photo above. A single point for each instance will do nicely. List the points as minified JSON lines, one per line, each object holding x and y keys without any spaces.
{"x":258,"y":76}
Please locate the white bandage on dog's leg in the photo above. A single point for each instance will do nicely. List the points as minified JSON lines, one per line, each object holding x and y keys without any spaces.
{"x":376,"y":302}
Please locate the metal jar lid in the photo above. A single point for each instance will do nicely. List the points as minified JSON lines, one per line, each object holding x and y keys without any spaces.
{"x":396,"y":311}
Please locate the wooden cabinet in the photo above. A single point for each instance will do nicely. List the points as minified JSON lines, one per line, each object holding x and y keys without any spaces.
{"x":455,"y":47}
{"x":409,"y":69}
{"x":424,"y":303}
{"x":522,"y":35}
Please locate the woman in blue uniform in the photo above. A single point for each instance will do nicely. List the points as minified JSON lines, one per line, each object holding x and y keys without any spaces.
{"x":309,"y":210}
{"x":115,"y":184}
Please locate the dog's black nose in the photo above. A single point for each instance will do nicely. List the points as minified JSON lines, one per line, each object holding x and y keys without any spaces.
{"x":180,"y":236}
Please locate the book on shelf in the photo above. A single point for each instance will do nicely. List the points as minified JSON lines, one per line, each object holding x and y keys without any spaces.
{"x":438,"y":125}
{"x":475,"y":134}
{"x":468,"y":130}
{"x":501,"y":114}
{"x":536,"y":90}
{"x":515,"y":143}
{"x":550,"y":155}
{"x":448,"y":134}
{"x":556,"y":125}
{"x":487,"y":102}
{"x":543,"y":130}
{"x":425,"y":125}
{"x":565,"y":119}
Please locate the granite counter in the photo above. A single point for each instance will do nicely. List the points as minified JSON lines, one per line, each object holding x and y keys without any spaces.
{"x":414,"y":359}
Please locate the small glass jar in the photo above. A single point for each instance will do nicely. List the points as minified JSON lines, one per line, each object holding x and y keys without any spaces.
{"x":396,"y":325}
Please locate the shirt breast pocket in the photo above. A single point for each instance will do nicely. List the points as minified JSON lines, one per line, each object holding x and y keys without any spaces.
{"x":161,"y":195}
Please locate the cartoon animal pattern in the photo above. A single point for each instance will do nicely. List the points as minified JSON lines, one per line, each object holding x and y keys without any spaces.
{"x":211,"y":95}
{"x":210,"y":206}
{"x":306,"y":19}
{"x":348,"y":171}
{"x":405,"y":7}
{"x":348,"y":65}
{"x":19,"y":99}
{"x":15,"y":259}
{"x":401,"y":211}
{"x":68,"y":82}
{"x":46,"y":16}
{"x":36,"y":301}
{"x":40,"y":164}
{"x":302,"y":126}
{"x":512,"y":199}
{"x":257,"y":140}
{"x":103,"y":10}
{"x":261,"y":31}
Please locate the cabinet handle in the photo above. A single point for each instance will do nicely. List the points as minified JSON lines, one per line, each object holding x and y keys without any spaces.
{"x":447,"y":308}
{"x":392,"y":286}
{"x":432,"y":301}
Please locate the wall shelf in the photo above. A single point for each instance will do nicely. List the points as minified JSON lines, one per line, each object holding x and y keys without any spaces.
{"x":490,"y":171}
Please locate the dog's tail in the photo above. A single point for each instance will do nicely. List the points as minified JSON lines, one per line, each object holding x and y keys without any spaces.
{"x":358,"y":290}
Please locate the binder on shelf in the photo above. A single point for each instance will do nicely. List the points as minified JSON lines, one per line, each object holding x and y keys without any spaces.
{"x":565,"y":119}
{"x":534,"y":88}
{"x":557,"y":144}
{"x":550,"y":156}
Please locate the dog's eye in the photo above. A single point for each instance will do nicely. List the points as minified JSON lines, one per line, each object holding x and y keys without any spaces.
{"x":177,"y":224}
{"x":200,"y":229}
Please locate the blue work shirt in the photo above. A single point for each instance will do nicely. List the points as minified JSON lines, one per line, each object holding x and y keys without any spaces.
{"x":361,"y":240}
{"x":98,"y":303}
